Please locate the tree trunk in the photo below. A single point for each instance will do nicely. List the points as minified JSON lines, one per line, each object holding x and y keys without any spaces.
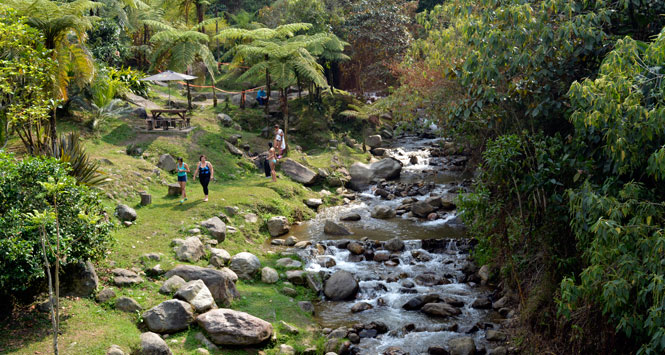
{"x":53,"y":129}
{"x":242,"y":99}
{"x":189,"y":96}
{"x":267,"y":103}
{"x":299,"y":90}
{"x":50,"y":292}
{"x":214,"y":94}
{"x":285,"y":112}
{"x":216,"y":33}
{"x":331,"y":80}
{"x":200,"y":13}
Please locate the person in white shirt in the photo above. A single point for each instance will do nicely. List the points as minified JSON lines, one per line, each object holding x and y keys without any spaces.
{"x":280,"y":141}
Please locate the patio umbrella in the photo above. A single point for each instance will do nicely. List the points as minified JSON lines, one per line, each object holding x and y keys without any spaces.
{"x":169,"y":76}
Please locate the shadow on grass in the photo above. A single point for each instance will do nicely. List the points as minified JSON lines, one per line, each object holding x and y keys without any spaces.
{"x":27,"y":325}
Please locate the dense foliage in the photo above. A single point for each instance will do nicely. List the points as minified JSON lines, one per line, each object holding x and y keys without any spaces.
{"x":568,"y":197}
{"x":617,"y":215}
{"x":21,"y":193}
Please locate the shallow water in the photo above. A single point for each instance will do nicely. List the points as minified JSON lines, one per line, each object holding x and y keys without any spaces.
{"x":381,"y":285}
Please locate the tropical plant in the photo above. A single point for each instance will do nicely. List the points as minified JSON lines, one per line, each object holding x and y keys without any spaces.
{"x":20,"y":240}
{"x":130,"y":78}
{"x":618,"y":214}
{"x":178,"y":48}
{"x":63,"y":26}
{"x":26,"y":74}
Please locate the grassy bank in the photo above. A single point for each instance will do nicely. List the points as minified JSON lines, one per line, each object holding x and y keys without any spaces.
{"x":89,"y":327}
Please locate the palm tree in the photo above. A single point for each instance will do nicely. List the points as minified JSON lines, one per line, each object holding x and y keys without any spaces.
{"x":177,"y":49}
{"x":286,"y":61}
{"x":235,"y":36}
{"x":330,"y":51}
{"x":63,"y":25}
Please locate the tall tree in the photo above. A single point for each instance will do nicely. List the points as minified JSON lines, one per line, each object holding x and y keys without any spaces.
{"x":63,"y":26}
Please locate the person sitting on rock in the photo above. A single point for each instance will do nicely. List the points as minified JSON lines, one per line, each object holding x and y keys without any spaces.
{"x":261,"y":97}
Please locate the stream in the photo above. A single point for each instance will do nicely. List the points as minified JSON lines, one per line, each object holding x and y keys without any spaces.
{"x":432,"y":261}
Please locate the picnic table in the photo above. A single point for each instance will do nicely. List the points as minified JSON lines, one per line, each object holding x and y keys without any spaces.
{"x":167,"y":117}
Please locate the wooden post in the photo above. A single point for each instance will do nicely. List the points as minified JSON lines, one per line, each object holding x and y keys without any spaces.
{"x":214,"y":94}
{"x":146,"y":198}
{"x":189,"y":95}
{"x":242,"y":99}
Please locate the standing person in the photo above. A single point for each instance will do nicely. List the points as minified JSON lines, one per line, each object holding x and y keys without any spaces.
{"x":206,"y":173}
{"x":280,"y":141}
{"x":272,"y":160}
{"x":182,"y":170}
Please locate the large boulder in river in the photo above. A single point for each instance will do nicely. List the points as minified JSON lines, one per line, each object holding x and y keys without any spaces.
{"x":383,"y":212}
{"x":333,"y":228}
{"x":298,"y":172}
{"x":278,"y":225}
{"x":166,"y":162}
{"x":229,"y":327}
{"x":422,"y":209}
{"x":440,"y":310}
{"x":374,"y":141}
{"x":169,"y":316}
{"x":462,"y":346}
{"x":362,"y":175}
{"x":395,"y":244}
{"x":221,"y":284}
{"x":153,"y":344}
{"x":341,"y":286}
{"x":245,"y":265}
{"x":216,"y":227}
{"x":125,"y":213}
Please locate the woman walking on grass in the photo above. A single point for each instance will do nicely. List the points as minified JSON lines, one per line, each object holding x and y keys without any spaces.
{"x":206,"y":173}
{"x":182,"y":169}
{"x":272,"y":160}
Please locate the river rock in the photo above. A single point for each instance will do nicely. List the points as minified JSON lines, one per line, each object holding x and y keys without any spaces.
{"x":290,"y":241}
{"x":127,"y":304}
{"x":220,"y":283}
{"x":303,"y":244}
{"x":153,"y":344}
{"x":462,"y":346}
{"x":448,"y":202}
{"x":288,"y":263}
{"x":421,"y":209}
{"x":374,"y":141}
{"x":482,"y":303}
{"x":124,"y":277}
{"x":197,"y":294}
{"x":383,"y":212}
{"x":362,"y":175}
{"x":278,"y":225}
{"x":356,"y":248}
{"x":251,"y":218}
{"x":495,"y":335}
{"x":215,"y":227}
{"x":437,"y":350}
{"x":289,"y":291}
{"x":325,"y":261}
{"x":394,"y":244}
{"x":298,"y":172}
{"x":361,"y":306}
{"x":169,"y":316}
{"x":352,"y":216}
{"x":125,"y":213}
{"x":333,"y":228}
{"x":296,"y":277}
{"x":342,"y":285}
{"x":484,"y":274}
{"x":191,"y":249}
{"x":269,"y":275}
{"x":245,"y":265}
{"x":167,"y":163}
{"x":440,"y":309}
{"x":381,"y":256}
{"x":173,"y":284}
{"x":313,"y":281}
{"x":394,"y":350}
{"x":499,"y":350}
{"x":219,"y":257}
{"x":229,"y":327}
{"x":313,"y":202}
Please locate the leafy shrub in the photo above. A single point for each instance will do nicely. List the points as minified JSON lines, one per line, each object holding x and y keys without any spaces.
{"x":20,"y":193}
{"x":130,"y":79}
{"x":105,"y":43}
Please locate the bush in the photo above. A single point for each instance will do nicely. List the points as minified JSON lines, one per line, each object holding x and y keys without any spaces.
{"x":21,"y":193}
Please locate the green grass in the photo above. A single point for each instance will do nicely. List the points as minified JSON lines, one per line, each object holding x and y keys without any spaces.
{"x":89,"y":327}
